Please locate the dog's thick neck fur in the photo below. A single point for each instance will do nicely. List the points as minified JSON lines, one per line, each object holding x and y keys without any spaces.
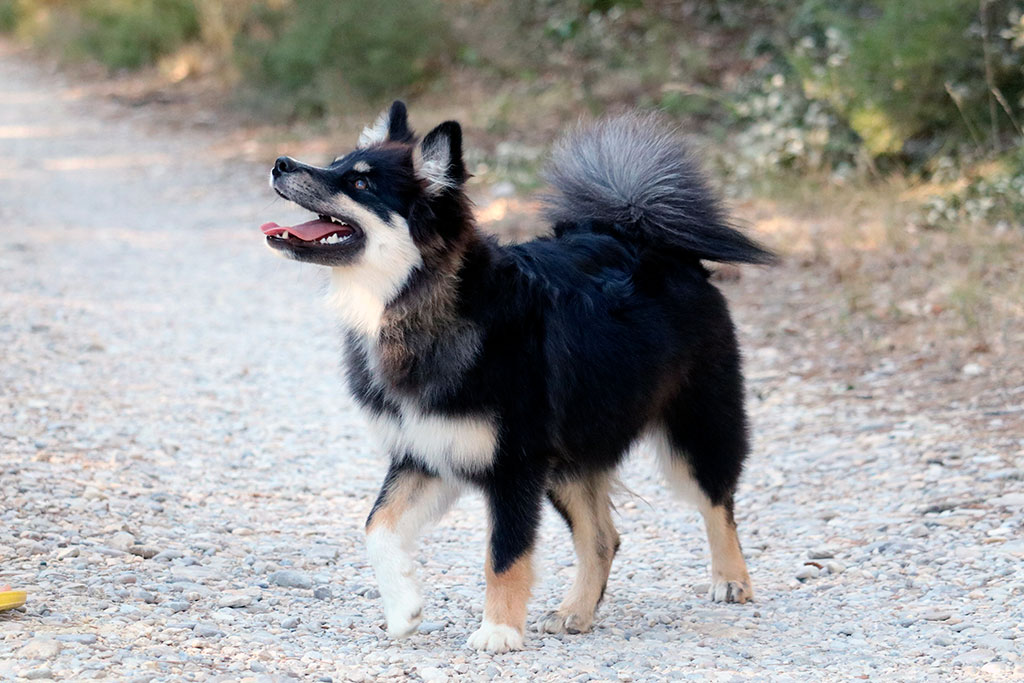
{"x":424,"y":346}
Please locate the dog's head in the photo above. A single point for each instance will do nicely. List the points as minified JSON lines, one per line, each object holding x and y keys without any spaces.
{"x":380,"y":209}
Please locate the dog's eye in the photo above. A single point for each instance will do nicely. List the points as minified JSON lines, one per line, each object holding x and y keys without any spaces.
{"x":361,"y":184}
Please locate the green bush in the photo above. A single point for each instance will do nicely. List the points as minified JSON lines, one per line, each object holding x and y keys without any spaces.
{"x":9,"y":15}
{"x":322,"y":51}
{"x":127,"y":34}
{"x":910,"y":75}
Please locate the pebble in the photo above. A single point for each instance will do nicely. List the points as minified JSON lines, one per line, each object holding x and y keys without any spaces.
{"x":122,"y":540}
{"x":235,"y":600}
{"x":431,"y":674}
{"x":40,"y":648}
{"x":322,"y":593}
{"x":976,"y":657}
{"x":430,"y":626}
{"x":207,"y":631}
{"x":820,"y":554}
{"x":936,"y":615}
{"x":289,"y":578}
{"x":36,"y":674}
{"x":80,"y":638}
{"x":144,"y":551}
{"x":808,"y":572}
{"x":289,"y":622}
{"x":972,"y":370}
{"x":168,"y":555}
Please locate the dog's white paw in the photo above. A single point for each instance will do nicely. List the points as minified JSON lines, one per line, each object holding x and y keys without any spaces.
{"x":496,"y":638}
{"x":403,"y":608}
{"x":730,"y":591}
{"x":559,"y":622}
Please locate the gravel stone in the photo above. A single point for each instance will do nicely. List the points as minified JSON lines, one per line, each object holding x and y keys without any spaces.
{"x":937,"y":615}
{"x":122,"y":540}
{"x":235,"y":600}
{"x":207,"y":631}
{"x":808,"y":572}
{"x":168,"y":555}
{"x":36,"y":674}
{"x":40,"y":648}
{"x":290,"y":579}
{"x":144,"y":551}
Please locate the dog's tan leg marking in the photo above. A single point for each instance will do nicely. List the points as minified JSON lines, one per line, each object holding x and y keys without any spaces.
{"x":505,"y":606}
{"x":588,"y":506}
{"x":729,"y":579}
{"x":409,"y":503}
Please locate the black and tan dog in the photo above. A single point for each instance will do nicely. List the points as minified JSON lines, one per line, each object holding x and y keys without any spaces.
{"x":529,"y":371}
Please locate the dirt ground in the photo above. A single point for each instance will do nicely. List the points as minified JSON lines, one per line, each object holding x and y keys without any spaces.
{"x":183,"y":480}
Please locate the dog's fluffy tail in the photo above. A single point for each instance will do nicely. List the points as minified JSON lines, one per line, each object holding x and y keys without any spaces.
{"x":633,"y":174}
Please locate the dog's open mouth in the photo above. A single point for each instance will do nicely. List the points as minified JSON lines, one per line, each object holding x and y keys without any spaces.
{"x":323,"y":231}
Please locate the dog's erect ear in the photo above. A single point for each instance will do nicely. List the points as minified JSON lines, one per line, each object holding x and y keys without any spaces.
{"x":439,"y":161}
{"x":392,"y":125}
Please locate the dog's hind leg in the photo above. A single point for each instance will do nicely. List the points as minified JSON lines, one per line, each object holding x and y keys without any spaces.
{"x":701,"y":446}
{"x":586,"y":507}
{"x":409,"y":500}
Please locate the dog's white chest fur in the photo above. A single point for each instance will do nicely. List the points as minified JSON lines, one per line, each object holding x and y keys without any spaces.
{"x":444,"y":443}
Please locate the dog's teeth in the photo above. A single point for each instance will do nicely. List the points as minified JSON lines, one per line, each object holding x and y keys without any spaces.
{"x":284,"y":235}
{"x":332,"y":239}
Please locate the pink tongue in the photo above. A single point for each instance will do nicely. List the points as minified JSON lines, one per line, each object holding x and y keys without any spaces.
{"x":309,"y":231}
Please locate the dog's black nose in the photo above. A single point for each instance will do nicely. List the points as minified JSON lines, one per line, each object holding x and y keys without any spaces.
{"x":284,"y":165}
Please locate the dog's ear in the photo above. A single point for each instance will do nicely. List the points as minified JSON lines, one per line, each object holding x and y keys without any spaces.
{"x":392,"y":125}
{"x":439,"y":161}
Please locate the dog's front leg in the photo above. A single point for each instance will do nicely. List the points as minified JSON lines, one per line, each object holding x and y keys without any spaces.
{"x":515,"y":505}
{"x":409,"y":500}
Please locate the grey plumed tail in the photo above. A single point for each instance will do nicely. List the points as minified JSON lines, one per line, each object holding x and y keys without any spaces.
{"x":634,"y":174}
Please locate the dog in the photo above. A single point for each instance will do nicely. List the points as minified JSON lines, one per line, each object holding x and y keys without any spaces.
{"x":528,"y":371}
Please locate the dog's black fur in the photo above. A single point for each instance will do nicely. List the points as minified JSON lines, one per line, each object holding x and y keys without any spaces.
{"x":573,"y":345}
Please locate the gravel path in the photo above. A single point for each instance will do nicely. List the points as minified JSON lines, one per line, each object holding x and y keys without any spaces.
{"x":183,"y":480}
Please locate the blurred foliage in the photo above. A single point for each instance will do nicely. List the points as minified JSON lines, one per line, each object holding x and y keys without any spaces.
{"x":9,"y":16}
{"x":994,"y":195}
{"x":123,"y":34}
{"x":840,"y":86}
{"x":317,"y":52}
{"x":908,"y":75}
{"x":127,"y":34}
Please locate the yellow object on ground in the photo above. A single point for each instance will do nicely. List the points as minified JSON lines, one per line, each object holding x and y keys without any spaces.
{"x":11,"y":599}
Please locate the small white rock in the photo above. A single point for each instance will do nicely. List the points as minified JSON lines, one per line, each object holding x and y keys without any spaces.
{"x":808,"y":572}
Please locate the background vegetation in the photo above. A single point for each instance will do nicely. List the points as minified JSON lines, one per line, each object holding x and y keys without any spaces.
{"x":811,"y":84}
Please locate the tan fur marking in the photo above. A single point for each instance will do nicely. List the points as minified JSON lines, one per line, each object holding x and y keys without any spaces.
{"x":508,"y":592}
{"x":588,"y":505}
{"x":727,"y":563}
{"x":401,"y":496}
